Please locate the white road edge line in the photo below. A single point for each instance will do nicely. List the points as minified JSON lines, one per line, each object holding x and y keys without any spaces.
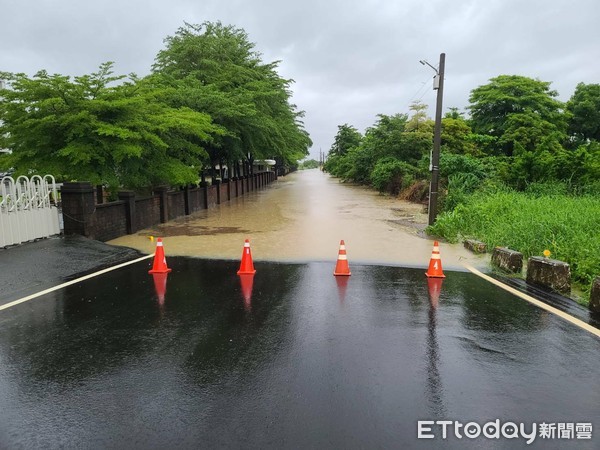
{"x":69,"y":283}
{"x":539,"y":304}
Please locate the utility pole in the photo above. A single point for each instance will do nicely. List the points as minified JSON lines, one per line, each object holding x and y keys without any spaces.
{"x":438,"y":83}
{"x":320,"y":159}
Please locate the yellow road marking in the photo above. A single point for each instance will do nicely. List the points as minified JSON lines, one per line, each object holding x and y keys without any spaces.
{"x":69,"y":283}
{"x":539,"y":304}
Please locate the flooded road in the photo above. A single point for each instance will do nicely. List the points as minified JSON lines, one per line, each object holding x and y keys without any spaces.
{"x":291,"y":358}
{"x":302,"y":217}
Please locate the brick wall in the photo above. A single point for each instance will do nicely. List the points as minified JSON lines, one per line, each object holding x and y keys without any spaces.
{"x":147,"y":212}
{"x":197,"y":200}
{"x":176,"y":204}
{"x":224,"y":192}
{"x":211,"y":196}
{"x":110,"y":220}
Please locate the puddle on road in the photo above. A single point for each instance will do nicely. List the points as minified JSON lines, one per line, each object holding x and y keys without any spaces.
{"x":303,"y":217}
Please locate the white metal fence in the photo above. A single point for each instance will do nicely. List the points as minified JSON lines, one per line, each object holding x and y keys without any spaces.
{"x":28,"y":209}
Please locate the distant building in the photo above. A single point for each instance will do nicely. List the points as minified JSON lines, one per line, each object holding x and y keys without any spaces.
{"x":264,"y":165}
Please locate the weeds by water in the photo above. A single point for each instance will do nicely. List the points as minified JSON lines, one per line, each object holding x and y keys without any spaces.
{"x":566,"y":225}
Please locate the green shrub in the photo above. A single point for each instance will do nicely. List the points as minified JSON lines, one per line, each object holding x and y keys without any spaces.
{"x":460,"y":187}
{"x":461,"y":176}
{"x":451,"y":163}
{"x":391,"y":175}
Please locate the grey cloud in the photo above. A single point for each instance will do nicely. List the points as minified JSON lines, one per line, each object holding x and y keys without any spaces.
{"x":350,"y":59}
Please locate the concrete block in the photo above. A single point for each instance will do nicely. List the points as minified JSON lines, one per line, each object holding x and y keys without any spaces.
{"x":474,"y":246}
{"x":595,"y":296}
{"x":507,"y":259}
{"x":549,"y":273}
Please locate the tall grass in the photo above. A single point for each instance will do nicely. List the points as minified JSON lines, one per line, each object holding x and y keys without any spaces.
{"x":530,"y":223}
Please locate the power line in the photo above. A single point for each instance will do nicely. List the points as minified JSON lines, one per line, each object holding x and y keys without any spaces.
{"x":420,"y":91}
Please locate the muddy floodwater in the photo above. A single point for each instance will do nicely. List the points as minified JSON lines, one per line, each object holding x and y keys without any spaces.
{"x":302,"y":217}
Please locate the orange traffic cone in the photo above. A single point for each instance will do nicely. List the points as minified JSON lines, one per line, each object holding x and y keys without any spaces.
{"x":435,"y":263}
{"x":246,"y":266}
{"x":160,"y":262}
{"x":341,"y":268}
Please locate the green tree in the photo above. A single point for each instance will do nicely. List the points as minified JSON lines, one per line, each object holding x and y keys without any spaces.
{"x":391,"y":175}
{"x":516,"y":110}
{"x":309,"y":164}
{"x":584,"y":109}
{"x":419,"y":122}
{"x":354,"y":159}
{"x":358,"y":164}
{"x":456,"y":136}
{"x":215,"y":69}
{"x":388,"y":137}
{"x":102,"y":129}
{"x":454,"y":113}
{"x":346,"y":138}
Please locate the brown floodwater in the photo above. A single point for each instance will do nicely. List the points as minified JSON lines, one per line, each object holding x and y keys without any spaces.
{"x":302,"y":217}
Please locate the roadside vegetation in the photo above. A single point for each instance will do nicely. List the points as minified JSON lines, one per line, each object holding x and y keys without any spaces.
{"x":531,"y":222}
{"x":209,"y":101}
{"x":518,"y":168}
{"x":309,"y":164}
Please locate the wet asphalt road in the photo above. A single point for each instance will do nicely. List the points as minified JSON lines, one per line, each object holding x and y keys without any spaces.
{"x":34,"y":266}
{"x":287,"y":359}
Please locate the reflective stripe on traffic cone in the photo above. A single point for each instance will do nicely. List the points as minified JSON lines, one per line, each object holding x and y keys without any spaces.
{"x":160,"y":262}
{"x":435,"y":263}
{"x":341,"y":268}
{"x":246,"y":266}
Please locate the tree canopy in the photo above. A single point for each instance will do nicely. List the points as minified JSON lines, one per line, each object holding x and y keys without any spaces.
{"x":346,"y":138}
{"x":518,"y":111}
{"x":355,"y":158}
{"x":91,"y":128}
{"x":309,"y":164}
{"x":209,"y":99}
{"x":216,"y":70}
{"x":584,"y":110}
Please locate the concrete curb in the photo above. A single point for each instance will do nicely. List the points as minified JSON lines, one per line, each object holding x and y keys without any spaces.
{"x":595,"y":296}
{"x":506,"y":259}
{"x":549,"y":273}
{"x":475,"y":246}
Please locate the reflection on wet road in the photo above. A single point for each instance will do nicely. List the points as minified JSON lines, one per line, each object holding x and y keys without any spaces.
{"x":292,"y":357}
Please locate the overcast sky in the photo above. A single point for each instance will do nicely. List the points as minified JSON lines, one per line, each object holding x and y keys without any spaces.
{"x":350,"y":60}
